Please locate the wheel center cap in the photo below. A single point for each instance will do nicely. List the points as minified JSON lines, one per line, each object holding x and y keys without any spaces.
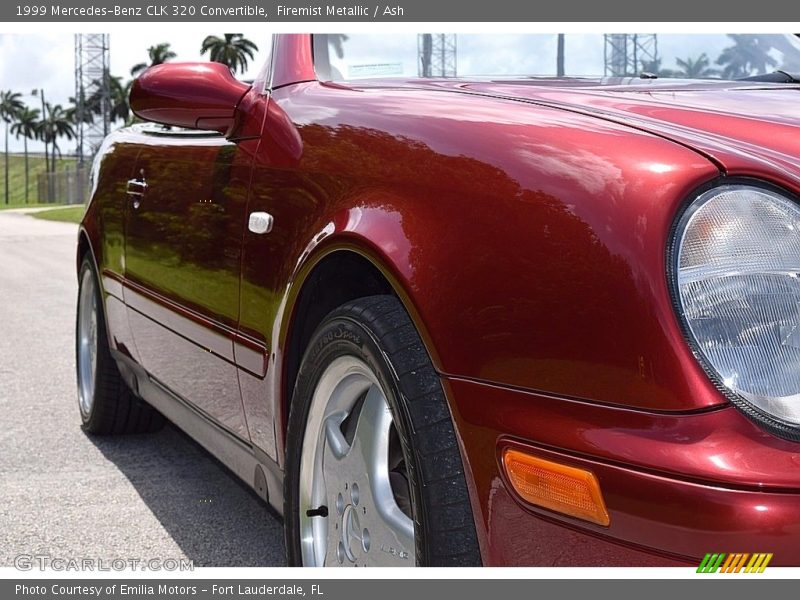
{"x":351,"y":533}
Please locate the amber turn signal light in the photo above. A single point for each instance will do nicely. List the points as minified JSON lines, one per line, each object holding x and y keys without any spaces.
{"x":568,"y":490}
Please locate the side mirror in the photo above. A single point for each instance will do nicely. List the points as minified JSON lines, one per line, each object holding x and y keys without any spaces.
{"x":194,"y":95}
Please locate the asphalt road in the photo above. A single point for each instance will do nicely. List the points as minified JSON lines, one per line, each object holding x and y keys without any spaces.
{"x":67,"y":495}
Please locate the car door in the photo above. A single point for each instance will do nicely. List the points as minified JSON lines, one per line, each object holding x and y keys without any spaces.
{"x":185,"y":218}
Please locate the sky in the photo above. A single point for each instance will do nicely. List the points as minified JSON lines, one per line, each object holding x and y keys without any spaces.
{"x":515,"y":54}
{"x":46,"y":60}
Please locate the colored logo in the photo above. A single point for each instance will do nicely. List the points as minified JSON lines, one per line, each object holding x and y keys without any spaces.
{"x":734,"y":563}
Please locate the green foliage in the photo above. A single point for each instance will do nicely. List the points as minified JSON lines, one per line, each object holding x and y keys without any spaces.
{"x":158,"y":54}
{"x":118,"y":104}
{"x":58,"y":123}
{"x":26,"y":124}
{"x":654,"y":67}
{"x":749,"y":55}
{"x":10,"y":105}
{"x":696,"y":68}
{"x":16,"y":178}
{"x":69,"y":214}
{"x":233,"y":50}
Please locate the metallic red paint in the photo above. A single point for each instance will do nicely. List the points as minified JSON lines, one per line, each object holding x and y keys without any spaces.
{"x":521,"y":190}
{"x":673,"y":484}
{"x":200,"y":95}
{"x":524,"y":225}
{"x":293,"y":61}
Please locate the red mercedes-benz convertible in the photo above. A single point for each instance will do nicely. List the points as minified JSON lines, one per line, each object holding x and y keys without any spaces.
{"x":491,"y":318}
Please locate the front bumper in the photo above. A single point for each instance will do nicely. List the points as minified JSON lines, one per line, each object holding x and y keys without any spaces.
{"x":676,"y":486}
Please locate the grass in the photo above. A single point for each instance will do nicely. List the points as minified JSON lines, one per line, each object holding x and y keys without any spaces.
{"x":4,"y":206}
{"x":16,"y":179}
{"x":69,"y":214}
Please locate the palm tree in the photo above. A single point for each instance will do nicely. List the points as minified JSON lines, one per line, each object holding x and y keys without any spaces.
{"x":696,"y":68}
{"x":654,"y":67}
{"x":118,"y":106}
{"x":159,"y":54}
{"x":337,"y":40}
{"x":27,"y":126}
{"x":233,"y":50}
{"x":120,"y":94}
{"x":749,"y":55}
{"x":88,"y":112}
{"x":40,"y":93}
{"x":57,"y":123}
{"x":790,"y":57}
{"x":10,"y":107}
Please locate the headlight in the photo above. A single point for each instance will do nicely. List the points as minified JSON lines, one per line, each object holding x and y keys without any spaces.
{"x":735,"y":273}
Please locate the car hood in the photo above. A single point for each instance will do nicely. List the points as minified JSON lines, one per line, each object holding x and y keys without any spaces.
{"x":746,"y":128}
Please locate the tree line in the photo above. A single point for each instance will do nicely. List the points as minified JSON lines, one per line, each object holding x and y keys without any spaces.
{"x":747,"y":55}
{"x":52,"y":123}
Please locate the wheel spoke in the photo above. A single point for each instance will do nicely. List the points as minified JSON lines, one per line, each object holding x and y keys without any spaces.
{"x":93,"y":335}
{"x":372,"y":430}
{"x":344,"y":392}
{"x":371,"y":442}
{"x":394,"y":532}
{"x":334,"y":437}
{"x":364,"y":525}
{"x":87,"y":342}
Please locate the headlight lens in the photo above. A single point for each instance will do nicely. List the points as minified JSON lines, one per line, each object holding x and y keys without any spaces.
{"x":736,"y":273}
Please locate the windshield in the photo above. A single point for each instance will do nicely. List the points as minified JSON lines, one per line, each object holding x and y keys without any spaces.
{"x":694,"y":56}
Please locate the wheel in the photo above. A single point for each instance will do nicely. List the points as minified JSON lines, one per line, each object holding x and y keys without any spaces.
{"x":106,"y":403}
{"x":374,"y":475}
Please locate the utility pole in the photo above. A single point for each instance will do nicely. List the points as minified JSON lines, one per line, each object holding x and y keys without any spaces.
{"x":92,"y":92}
{"x":437,"y":54}
{"x":625,"y":53}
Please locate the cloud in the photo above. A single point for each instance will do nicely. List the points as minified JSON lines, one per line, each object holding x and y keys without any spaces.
{"x":47,"y":61}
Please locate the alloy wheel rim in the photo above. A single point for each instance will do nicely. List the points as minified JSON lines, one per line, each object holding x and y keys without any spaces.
{"x":349,"y":466}
{"x":87,"y":343}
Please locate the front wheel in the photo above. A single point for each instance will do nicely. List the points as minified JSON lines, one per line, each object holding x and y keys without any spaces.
{"x":374,"y":473}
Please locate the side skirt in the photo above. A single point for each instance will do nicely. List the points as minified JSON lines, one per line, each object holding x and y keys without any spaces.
{"x":249,"y":463}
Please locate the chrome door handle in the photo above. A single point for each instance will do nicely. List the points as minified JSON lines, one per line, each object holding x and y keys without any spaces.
{"x":136,"y":187}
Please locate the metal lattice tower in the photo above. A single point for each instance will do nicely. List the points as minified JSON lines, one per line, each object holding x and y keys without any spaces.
{"x":626,"y":53}
{"x":92,"y":92}
{"x":437,"y":54}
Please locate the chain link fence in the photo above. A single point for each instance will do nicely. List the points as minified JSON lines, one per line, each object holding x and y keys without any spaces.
{"x":68,"y":186}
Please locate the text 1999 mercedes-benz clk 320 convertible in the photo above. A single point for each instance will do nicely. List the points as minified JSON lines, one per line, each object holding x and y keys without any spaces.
{"x":491,"y":318}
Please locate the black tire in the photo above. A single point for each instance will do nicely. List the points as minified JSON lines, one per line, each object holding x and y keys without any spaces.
{"x":114,"y":409}
{"x":378,"y":331}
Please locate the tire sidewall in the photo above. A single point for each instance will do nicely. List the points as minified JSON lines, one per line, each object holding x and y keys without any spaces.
{"x":88,"y":266}
{"x":343,"y":336}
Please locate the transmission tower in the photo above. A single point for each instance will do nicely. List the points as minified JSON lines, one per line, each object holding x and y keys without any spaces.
{"x":92,"y":92}
{"x":437,"y":54}
{"x":628,"y":54}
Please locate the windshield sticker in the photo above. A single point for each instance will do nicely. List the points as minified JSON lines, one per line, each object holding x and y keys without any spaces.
{"x":375,"y":70}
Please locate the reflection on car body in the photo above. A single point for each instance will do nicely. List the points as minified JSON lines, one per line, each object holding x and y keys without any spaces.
{"x":461,"y":320}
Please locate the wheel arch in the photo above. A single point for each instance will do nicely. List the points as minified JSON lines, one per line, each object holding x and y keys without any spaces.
{"x":357,"y":270}
{"x":84,"y":246}
{"x":364,"y":259}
